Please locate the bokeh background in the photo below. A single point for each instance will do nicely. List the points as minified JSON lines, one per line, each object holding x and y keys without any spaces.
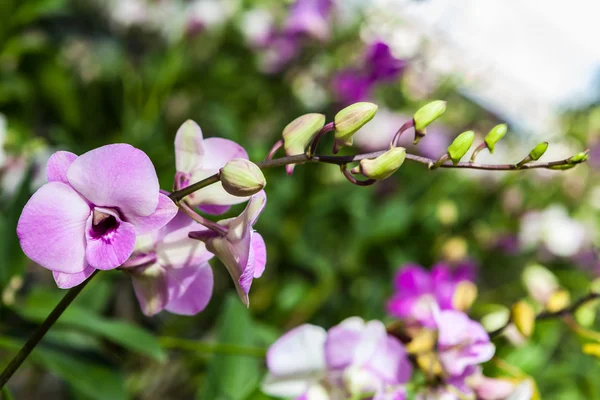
{"x":77,"y":74}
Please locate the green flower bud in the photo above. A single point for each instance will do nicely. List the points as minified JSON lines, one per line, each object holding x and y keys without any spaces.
{"x":300,"y":132}
{"x":538,"y":151}
{"x":241,"y":177}
{"x":579,"y":158}
{"x":494,"y":136}
{"x":427,"y":114}
{"x":351,"y":119}
{"x":384,"y":165}
{"x":460,"y":146}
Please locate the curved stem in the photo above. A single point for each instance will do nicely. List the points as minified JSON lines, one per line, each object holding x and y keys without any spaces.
{"x":42,"y":330}
{"x":353,"y":180}
{"x":185,"y":207}
{"x":315,"y":142}
{"x":545,"y":315}
{"x":278,"y":144}
{"x":177,"y":195}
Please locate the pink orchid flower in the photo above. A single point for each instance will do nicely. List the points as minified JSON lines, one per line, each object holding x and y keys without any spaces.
{"x":240,"y":248}
{"x":353,"y":358}
{"x":90,"y":212}
{"x":170,"y":271}
{"x":197,"y":158}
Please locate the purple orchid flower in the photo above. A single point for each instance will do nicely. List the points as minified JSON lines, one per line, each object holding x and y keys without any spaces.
{"x":170,"y":271}
{"x":379,"y":65}
{"x":310,"y":18}
{"x":240,"y":248}
{"x":89,"y":213}
{"x":463,"y":344}
{"x":420,"y":292}
{"x":197,"y":158}
{"x":355,"y":357}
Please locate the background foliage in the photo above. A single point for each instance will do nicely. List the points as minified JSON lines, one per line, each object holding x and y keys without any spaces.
{"x":73,"y":79}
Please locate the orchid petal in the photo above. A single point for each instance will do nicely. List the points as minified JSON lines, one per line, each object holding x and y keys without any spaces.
{"x":151,"y":290}
{"x":58,"y":165}
{"x":118,"y":176}
{"x":111,"y":249}
{"x":259,"y":249}
{"x":190,"y":289}
{"x":188,"y":146}
{"x":298,"y":352}
{"x":51,"y":228}
{"x":165,"y":211}
{"x":67,"y":281}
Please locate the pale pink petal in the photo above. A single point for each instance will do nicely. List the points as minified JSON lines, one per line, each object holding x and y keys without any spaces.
{"x":298,"y":352}
{"x":260,"y":254}
{"x":213,"y":209}
{"x":165,"y":212}
{"x":51,"y":228}
{"x":111,"y":249}
{"x":188,"y":147}
{"x":494,"y":389}
{"x":340,"y":339}
{"x":190,"y":289}
{"x":235,"y":257}
{"x":219,"y":151}
{"x":117,"y":176}
{"x":176,"y":248}
{"x":58,"y":164}
{"x":150,"y":286}
{"x":67,"y":281}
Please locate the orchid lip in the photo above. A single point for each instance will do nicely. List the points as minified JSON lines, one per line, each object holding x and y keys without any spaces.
{"x":104,"y":221}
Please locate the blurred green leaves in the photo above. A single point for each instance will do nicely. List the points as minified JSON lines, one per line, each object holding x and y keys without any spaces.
{"x":232,"y":377}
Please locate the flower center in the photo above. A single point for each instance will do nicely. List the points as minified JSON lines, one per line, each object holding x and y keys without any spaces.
{"x":102,"y":224}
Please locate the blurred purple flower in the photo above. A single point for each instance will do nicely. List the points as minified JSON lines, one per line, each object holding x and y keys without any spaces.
{"x":310,"y":18}
{"x":241,"y":249}
{"x":88,"y":216}
{"x":420,"y":292}
{"x":197,"y":158}
{"x":378,"y":65}
{"x":462,"y":343}
{"x":170,"y":271}
{"x":355,"y":357}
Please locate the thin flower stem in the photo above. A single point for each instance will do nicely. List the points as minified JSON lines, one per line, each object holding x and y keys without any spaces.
{"x":177,"y":195}
{"x":217,"y":348}
{"x":407,"y":125}
{"x":42,"y":330}
{"x":315,"y":142}
{"x":353,"y":180}
{"x":278,"y":144}
{"x":185,"y":207}
{"x":545,"y":315}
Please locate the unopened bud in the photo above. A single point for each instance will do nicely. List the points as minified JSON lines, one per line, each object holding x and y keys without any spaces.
{"x":579,"y":158}
{"x":300,"y":132}
{"x":559,"y":300}
{"x":494,"y":136}
{"x":464,"y":295}
{"x":540,"y":282}
{"x":241,"y":177}
{"x":460,"y":146}
{"x":538,"y":151}
{"x":592,"y":349}
{"x":586,"y":314}
{"x":523,"y":317}
{"x":384,"y":165}
{"x":426,"y":115}
{"x":351,"y":119}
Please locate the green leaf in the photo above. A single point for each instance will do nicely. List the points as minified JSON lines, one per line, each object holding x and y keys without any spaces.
{"x":39,"y":304}
{"x":232,"y":377}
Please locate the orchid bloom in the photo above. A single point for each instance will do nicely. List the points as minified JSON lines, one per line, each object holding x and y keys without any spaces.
{"x":379,"y":65}
{"x":419,"y":292}
{"x":309,"y":17}
{"x":354,"y":357}
{"x":90,"y":212}
{"x":197,"y":158}
{"x":170,"y":271}
{"x":239,"y":247}
{"x":462,"y":342}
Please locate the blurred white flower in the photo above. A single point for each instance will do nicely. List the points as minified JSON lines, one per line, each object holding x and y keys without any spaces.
{"x":256,"y":25}
{"x":562,"y":235}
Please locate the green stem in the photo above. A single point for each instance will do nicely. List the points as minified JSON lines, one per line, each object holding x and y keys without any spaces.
{"x":218,"y":348}
{"x":41,"y":331}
